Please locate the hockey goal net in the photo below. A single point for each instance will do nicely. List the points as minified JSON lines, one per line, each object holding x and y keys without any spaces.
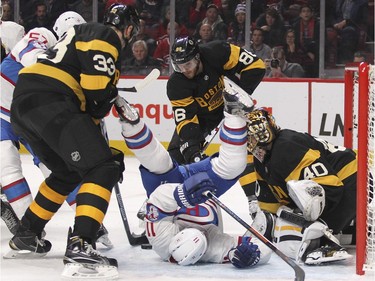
{"x":359,"y":129}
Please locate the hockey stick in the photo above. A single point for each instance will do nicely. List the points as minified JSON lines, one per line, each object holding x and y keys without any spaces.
{"x":134,"y":239}
{"x":209,"y":138}
{"x":152,"y":76}
{"x":298,"y":271}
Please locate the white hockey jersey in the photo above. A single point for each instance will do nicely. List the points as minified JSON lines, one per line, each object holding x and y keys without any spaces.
{"x":24,"y":53}
{"x":164,"y":219}
{"x":10,"y":34}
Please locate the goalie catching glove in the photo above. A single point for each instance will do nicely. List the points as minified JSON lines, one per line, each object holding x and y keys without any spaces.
{"x":245,"y":254}
{"x":190,"y":193}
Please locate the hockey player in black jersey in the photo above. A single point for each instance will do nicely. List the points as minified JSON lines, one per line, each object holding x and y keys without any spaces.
{"x":307,"y":182}
{"x":57,"y":105}
{"x":195,"y":90}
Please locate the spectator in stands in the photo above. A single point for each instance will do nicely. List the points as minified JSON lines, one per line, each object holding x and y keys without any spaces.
{"x":205,"y":33}
{"x":162,"y":49}
{"x":219,"y":27}
{"x":359,"y":57}
{"x":306,"y":41}
{"x":161,"y":27}
{"x":141,"y":35}
{"x":273,"y":27}
{"x":295,"y":54}
{"x":40,"y":17}
{"x":198,"y":11}
{"x":259,"y":48}
{"x":149,"y":11}
{"x":108,"y":3}
{"x":85,"y":8}
{"x":280,"y":67}
{"x":141,"y":63}
{"x":7,"y":12}
{"x":236,"y":30}
{"x":55,"y":8}
{"x":348,"y":21}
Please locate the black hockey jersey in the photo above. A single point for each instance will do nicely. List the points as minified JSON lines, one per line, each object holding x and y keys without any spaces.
{"x":198,"y":103}
{"x":84,"y":64}
{"x":297,"y":156}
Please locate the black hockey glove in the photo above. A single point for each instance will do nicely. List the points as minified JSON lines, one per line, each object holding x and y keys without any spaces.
{"x":118,"y":156}
{"x":99,"y":109}
{"x":191,"y":151}
{"x":244,"y":255}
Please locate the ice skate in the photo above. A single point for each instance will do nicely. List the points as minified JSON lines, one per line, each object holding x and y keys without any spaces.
{"x":236,"y":100}
{"x":326,"y":254}
{"x":82,"y":261}
{"x":125,"y":111}
{"x":8,"y":215}
{"x":27,"y":244}
{"x":102,"y":237}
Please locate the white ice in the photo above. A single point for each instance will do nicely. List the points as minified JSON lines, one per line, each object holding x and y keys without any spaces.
{"x":138,"y":264}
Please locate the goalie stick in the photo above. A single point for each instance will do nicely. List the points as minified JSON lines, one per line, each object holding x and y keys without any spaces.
{"x":298,"y":271}
{"x":134,"y":239}
{"x":151,"y":77}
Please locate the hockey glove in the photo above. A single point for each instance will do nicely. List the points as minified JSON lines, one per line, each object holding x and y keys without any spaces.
{"x":191,"y":151}
{"x":118,"y":157}
{"x":189,"y":193}
{"x":99,"y":109}
{"x":253,"y":205}
{"x":244,"y":255}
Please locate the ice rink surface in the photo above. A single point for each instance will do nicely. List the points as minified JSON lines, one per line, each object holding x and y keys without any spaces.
{"x":138,"y":264}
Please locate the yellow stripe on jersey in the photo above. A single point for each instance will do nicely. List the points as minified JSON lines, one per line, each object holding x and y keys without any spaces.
{"x":98,"y":45}
{"x":288,"y":227}
{"x":310,"y":157}
{"x":59,"y":75}
{"x":91,"y":212}
{"x":96,"y":190}
{"x":50,"y":194}
{"x":257,"y":64}
{"x":269,"y":207}
{"x":40,"y":212}
{"x":348,"y":170}
{"x":183,"y":123}
{"x":248,"y":178}
{"x":331,"y":180}
{"x":94,"y":82}
{"x":233,"y":58}
{"x":182,"y":102}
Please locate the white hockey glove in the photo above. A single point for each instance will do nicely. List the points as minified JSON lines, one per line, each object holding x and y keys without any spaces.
{"x":309,"y":197}
{"x":253,"y":205}
{"x":245,"y":254}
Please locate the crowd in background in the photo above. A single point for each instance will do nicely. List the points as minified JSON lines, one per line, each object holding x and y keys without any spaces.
{"x":284,"y":33}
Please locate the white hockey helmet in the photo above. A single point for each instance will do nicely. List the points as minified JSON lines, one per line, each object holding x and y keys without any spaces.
{"x":65,"y":21}
{"x":188,"y":246}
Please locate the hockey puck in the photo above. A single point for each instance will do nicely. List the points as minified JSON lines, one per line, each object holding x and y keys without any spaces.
{"x":146,"y":247}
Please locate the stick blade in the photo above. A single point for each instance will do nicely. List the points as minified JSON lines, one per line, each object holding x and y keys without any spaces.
{"x":151,"y":77}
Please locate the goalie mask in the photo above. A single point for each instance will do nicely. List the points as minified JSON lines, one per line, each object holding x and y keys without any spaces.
{"x":262,"y":129}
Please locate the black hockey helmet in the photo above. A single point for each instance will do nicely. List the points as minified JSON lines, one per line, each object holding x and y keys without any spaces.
{"x":183,"y":50}
{"x":262,"y":128}
{"x":121,"y":16}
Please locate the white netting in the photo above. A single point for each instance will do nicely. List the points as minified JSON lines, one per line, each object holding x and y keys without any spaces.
{"x":370,"y":237}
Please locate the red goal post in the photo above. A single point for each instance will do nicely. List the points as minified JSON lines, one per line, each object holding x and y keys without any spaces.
{"x":359,"y":129}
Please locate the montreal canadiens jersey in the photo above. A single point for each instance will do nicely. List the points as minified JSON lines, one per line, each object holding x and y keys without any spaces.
{"x":198,"y":103}
{"x":298,"y":156}
{"x":23,"y":54}
{"x":85,"y":64}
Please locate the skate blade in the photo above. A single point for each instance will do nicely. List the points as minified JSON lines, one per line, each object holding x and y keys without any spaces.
{"x":23,"y":254}
{"x":78,"y":272}
{"x":325,"y":260}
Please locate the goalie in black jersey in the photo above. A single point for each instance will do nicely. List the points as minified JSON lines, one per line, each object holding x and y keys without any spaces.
{"x":305,"y":189}
{"x":195,"y":90}
{"x":57,"y":106}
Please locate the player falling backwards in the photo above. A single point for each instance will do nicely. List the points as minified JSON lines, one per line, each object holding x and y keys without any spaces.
{"x":180,"y":225}
{"x":57,"y":105}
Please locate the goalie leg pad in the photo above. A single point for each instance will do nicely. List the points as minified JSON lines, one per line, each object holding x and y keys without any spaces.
{"x":308,"y":196}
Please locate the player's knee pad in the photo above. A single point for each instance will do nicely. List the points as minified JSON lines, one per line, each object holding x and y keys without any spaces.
{"x":188,"y":246}
{"x":309,"y":197}
{"x":107,"y":174}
